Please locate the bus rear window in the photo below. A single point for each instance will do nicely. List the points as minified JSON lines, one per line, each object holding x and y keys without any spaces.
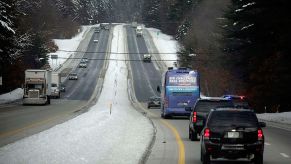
{"x":182,"y":93}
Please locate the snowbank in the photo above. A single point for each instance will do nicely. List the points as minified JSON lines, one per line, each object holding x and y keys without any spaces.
{"x":11,"y":96}
{"x":284,"y":117}
{"x":166,"y":45}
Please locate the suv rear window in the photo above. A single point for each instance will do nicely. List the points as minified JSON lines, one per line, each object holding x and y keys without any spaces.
{"x":206,"y":106}
{"x":237,"y":118}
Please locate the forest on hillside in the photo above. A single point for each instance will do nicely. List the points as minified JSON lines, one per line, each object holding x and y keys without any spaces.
{"x":238,"y":46}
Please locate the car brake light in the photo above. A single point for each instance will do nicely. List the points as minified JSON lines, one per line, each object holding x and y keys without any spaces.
{"x":194,"y":118}
{"x":260,"y":134}
{"x":206,"y":133}
{"x":242,"y":97}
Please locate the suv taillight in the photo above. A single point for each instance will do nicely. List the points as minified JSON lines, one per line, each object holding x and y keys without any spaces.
{"x":194,"y":117}
{"x":260,"y":134}
{"x":206,"y":133}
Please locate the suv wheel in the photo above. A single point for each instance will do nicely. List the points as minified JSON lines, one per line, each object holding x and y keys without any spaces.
{"x":193,"y":135}
{"x":258,"y":159}
{"x":205,"y":158}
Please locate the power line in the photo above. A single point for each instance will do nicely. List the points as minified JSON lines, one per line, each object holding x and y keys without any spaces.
{"x":104,"y":52}
{"x":139,"y":60}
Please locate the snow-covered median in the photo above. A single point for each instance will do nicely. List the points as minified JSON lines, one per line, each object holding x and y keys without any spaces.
{"x":97,"y":136}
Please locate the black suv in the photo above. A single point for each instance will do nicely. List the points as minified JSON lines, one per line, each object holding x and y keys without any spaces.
{"x":200,"y":112}
{"x":238,"y":101}
{"x":232,"y":133}
{"x":154,"y":101}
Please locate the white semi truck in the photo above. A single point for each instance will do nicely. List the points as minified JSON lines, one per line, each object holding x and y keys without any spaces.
{"x":139,"y":31}
{"x":37,"y":86}
{"x":56,"y":85}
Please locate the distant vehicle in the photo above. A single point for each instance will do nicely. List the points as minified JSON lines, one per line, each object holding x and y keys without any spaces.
{"x":97,"y":29}
{"x":102,"y":25}
{"x":147,"y":58}
{"x":134,"y":24}
{"x":179,"y":91}
{"x":82,"y":65}
{"x":107,"y":27}
{"x":154,"y":101}
{"x":95,"y":40}
{"x":238,"y":101}
{"x":232,"y":134}
{"x":63,"y":88}
{"x":37,"y":86}
{"x":56,"y":82}
{"x":84,"y":60}
{"x":139,"y":31}
{"x":200,"y":112}
{"x":73,"y":76}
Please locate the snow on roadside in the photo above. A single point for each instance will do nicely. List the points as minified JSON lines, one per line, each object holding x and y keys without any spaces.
{"x":284,"y":118}
{"x":11,"y":96}
{"x":95,"y":136}
{"x":67,"y":45}
{"x":165,"y":44}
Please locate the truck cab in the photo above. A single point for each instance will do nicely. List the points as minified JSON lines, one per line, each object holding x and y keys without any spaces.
{"x":37,"y":87}
{"x":139,"y":31}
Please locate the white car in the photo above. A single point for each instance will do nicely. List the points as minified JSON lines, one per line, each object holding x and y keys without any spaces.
{"x":147,"y":58}
{"x":138,"y":31}
{"x":82,"y":65}
{"x":95,"y":40}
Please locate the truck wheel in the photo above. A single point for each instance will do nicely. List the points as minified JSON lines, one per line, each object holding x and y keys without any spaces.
{"x":48,"y":100}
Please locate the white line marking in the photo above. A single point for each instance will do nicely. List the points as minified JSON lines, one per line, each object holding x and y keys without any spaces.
{"x":284,"y":155}
{"x":268,"y":144}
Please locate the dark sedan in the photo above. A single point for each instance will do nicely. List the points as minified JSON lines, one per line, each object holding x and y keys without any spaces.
{"x":154,"y":102}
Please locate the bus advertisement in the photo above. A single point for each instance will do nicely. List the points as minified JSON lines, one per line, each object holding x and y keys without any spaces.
{"x":179,"y":92}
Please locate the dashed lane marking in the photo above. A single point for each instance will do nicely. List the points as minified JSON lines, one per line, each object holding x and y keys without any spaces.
{"x":268,"y":144}
{"x":285,"y":155}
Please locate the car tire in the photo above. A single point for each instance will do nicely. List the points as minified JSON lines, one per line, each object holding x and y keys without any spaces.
{"x":205,"y":158}
{"x":194,"y":136}
{"x":258,"y":159}
{"x":190,"y":133}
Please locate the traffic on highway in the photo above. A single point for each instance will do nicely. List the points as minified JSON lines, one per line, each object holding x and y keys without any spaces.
{"x":118,"y":102}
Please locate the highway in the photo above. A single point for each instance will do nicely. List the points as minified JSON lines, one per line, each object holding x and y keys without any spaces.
{"x":170,"y":145}
{"x":170,"y":148}
{"x":18,"y":121}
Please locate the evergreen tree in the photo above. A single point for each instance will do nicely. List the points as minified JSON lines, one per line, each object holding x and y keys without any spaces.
{"x":258,"y":36}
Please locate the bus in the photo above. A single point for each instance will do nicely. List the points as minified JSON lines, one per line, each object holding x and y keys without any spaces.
{"x":179,"y":91}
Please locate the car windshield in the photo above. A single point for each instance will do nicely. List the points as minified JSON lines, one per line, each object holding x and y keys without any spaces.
{"x":206,"y":106}
{"x":235,"y":118}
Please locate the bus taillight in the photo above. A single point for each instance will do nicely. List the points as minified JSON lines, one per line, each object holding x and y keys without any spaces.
{"x":166,"y":103}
